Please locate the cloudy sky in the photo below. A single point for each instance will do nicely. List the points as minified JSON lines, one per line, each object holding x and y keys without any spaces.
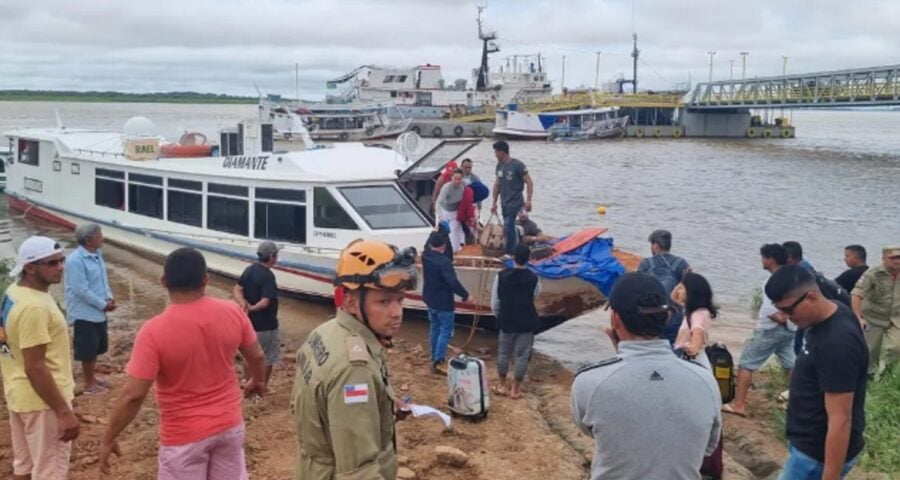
{"x":224,"y":46}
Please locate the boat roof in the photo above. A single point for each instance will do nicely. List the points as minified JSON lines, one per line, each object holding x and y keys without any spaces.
{"x":583,"y":111}
{"x":338,"y":163}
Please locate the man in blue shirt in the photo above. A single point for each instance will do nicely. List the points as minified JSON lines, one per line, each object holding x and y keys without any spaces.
{"x":88,"y":299}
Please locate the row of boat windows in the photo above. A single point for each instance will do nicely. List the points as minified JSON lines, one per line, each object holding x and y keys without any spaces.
{"x":394,"y":78}
{"x":279,"y":214}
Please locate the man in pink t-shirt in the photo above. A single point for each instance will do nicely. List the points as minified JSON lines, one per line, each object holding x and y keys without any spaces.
{"x":188,"y":351}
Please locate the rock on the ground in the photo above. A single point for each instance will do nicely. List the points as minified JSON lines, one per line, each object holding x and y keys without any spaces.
{"x":402,"y":460}
{"x":404,"y":473}
{"x":451,"y":456}
{"x":734,"y":470}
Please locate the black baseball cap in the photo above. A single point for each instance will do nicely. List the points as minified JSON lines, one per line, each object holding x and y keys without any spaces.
{"x":638,"y":293}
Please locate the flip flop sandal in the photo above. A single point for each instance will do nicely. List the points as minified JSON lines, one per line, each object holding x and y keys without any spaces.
{"x":499,"y":391}
{"x":728,"y":409}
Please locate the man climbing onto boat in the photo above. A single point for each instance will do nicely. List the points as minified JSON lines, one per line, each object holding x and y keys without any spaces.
{"x":342,"y":404}
{"x":511,"y":179}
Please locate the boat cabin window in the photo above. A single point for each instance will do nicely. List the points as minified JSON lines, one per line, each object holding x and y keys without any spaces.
{"x":401,"y":78}
{"x":388,"y":79}
{"x":185,"y":202}
{"x":145,"y":195}
{"x":280,"y":214}
{"x":225,"y":211}
{"x":109,"y":188}
{"x":328,"y":213}
{"x":383,"y":207}
{"x":28,"y":152}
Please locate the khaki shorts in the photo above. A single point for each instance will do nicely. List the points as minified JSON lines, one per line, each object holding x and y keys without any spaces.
{"x":36,"y":448}
{"x":270,"y":342}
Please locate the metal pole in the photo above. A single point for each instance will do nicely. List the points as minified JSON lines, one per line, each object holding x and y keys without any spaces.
{"x":711,"y":55}
{"x":297,"y":81}
{"x":784,"y":65}
{"x":744,"y":64}
{"x":731,"y":69}
{"x":563,"y":83}
{"x":597,"y":73}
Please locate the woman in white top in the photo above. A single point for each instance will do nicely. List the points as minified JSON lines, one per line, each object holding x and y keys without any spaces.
{"x":448,"y":203}
{"x":695,"y":294}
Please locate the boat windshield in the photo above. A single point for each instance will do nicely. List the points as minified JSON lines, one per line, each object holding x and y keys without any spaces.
{"x":383,"y":207}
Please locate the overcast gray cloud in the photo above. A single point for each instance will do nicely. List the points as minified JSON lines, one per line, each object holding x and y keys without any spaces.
{"x":227,"y":45}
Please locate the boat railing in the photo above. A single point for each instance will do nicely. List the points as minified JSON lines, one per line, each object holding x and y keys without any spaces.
{"x":102,"y":153}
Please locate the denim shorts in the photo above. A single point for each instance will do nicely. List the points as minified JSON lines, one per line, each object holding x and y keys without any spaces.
{"x":763,"y":344}
{"x":800,"y":466}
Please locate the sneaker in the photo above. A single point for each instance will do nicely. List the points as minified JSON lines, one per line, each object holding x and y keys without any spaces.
{"x":439,"y":368}
{"x":95,"y":389}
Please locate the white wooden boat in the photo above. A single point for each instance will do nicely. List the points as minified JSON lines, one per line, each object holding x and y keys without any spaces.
{"x":588,"y":123}
{"x":313,"y":201}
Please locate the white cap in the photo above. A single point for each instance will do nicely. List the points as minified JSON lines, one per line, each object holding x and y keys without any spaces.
{"x":34,"y":249}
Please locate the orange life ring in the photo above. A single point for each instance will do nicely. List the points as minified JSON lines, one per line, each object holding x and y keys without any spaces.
{"x":185,"y":151}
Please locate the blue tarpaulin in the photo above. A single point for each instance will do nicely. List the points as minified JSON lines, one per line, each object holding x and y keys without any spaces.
{"x":592,"y":262}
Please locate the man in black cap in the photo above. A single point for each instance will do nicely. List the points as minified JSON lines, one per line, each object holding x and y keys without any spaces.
{"x":257,"y":293}
{"x":669,"y":270}
{"x":826,"y":410}
{"x":651,"y":414}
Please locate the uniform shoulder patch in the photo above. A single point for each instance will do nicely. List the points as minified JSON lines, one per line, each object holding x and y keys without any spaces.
{"x":356,"y":393}
{"x":357,"y":352}
{"x":602,"y":363}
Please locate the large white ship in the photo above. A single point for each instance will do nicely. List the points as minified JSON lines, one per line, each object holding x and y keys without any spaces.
{"x":422,"y":92}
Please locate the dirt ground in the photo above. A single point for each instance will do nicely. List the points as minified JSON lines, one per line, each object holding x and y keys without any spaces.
{"x":529,"y":438}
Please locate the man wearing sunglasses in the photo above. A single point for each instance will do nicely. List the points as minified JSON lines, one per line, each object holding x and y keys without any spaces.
{"x":342,"y":404}
{"x":825,"y":418}
{"x":35,"y":359}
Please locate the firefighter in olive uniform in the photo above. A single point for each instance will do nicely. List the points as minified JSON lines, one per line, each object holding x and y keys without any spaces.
{"x":342,"y":403}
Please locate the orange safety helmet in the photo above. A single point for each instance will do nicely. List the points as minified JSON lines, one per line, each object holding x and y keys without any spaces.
{"x":376,"y":265}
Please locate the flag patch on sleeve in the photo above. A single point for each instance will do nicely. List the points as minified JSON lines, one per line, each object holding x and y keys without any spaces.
{"x":357,"y":393}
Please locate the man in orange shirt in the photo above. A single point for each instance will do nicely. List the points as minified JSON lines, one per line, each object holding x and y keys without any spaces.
{"x":188,"y":351}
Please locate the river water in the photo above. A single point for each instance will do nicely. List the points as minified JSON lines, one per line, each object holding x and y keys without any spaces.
{"x":837,"y":183}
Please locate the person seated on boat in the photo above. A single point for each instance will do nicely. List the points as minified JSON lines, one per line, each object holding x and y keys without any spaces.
{"x":448,"y":201}
{"x":529,"y":232}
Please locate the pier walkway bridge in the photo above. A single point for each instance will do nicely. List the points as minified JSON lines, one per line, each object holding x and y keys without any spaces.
{"x":862,"y":87}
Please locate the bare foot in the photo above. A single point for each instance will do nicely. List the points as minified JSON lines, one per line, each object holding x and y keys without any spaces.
{"x":728,"y":408}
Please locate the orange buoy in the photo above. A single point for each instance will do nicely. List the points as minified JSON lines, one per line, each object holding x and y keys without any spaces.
{"x":185,"y":151}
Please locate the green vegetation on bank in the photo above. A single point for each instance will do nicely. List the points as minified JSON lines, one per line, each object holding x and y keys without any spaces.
{"x":882,"y":451}
{"x":95,"y":96}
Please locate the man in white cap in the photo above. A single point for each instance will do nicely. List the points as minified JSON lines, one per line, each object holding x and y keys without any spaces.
{"x":257,"y":293}
{"x":36,"y":362}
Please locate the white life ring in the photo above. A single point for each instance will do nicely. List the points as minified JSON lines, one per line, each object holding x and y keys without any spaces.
{"x":533,"y":85}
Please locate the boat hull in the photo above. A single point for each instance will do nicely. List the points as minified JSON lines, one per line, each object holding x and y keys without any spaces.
{"x":310,"y":276}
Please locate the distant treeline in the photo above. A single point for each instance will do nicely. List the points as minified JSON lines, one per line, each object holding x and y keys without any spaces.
{"x":93,"y":96}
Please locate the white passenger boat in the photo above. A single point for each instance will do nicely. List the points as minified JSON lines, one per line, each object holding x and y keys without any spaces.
{"x":341,"y":122}
{"x":314,"y":202}
{"x":580,"y":124}
{"x":5,"y":156}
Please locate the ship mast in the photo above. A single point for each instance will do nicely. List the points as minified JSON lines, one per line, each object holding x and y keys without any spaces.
{"x":488,"y":47}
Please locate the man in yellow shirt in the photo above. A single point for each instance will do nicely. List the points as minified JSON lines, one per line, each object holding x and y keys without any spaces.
{"x":36,"y":363}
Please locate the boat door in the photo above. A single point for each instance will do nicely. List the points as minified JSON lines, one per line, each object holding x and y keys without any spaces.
{"x":419,"y":179}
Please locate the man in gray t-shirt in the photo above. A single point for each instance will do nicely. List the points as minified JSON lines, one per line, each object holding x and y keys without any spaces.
{"x":651,"y":414}
{"x":511,"y":179}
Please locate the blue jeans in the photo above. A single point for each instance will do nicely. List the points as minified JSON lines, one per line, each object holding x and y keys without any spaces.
{"x":512,"y":236}
{"x":800,"y":466}
{"x":440,"y":332}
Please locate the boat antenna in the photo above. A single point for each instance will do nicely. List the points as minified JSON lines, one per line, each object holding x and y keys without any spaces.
{"x":258,"y":91}
{"x":297,"y":81}
{"x":59,"y":123}
{"x":488,"y":47}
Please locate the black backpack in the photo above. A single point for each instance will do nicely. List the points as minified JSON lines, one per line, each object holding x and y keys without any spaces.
{"x":832,"y":290}
{"x":722,"y":365}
